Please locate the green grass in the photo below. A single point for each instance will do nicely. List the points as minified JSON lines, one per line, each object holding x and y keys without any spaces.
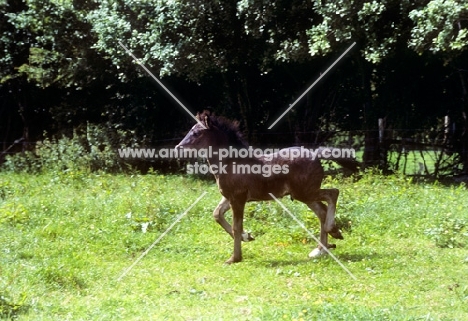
{"x":66,"y":238}
{"x":415,"y":162}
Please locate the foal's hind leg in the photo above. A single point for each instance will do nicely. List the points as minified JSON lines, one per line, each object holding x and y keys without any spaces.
{"x":218,"y":215}
{"x":330,"y":196}
{"x":320,"y":210}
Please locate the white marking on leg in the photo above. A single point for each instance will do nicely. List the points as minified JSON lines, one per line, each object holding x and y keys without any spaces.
{"x":312,"y":235}
{"x":247,"y":237}
{"x":317,"y":252}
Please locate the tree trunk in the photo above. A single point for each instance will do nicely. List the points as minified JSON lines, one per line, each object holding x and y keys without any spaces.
{"x":239,"y":96}
{"x":245,"y":107}
{"x":371,"y":156}
{"x":22,"y":113}
{"x":464,"y":136}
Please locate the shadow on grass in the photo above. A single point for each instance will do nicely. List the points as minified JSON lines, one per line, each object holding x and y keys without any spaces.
{"x":343,"y":257}
{"x":357,"y":257}
{"x":281,"y":263}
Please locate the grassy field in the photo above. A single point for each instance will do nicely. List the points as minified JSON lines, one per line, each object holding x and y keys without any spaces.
{"x":67,"y":238}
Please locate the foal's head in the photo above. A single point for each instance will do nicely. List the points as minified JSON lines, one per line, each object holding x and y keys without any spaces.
{"x":214,"y":131}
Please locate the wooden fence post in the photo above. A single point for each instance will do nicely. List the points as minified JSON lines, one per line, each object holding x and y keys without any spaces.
{"x":446,"y":128}
{"x":382,"y":145}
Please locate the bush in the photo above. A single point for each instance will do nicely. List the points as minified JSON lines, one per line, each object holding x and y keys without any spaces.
{"x":94,"y":149}
{"x":22,"y":162}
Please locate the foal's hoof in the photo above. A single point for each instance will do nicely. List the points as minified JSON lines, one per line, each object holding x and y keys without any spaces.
{"x":320,"y":251}
{"x":336,"y":233}
{"x":317,"y":252}
{"x":232,"y":260}
{"x":247,"y":237}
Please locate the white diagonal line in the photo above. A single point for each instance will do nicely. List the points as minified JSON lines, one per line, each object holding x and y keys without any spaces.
{"x":160,"y":83}
{"x":161,"y":236}
{"x":312,"y":235}
{"x":310,"y":87}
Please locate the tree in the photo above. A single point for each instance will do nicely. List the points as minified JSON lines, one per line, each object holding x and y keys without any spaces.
{"x":13,"y":47}
{"x":46,"y":45}
{"x":197,"y":39}
{"x":441,"y":27}
{"x":249,"y":58}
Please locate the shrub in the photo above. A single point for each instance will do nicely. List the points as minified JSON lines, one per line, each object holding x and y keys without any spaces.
{"x":92,"y":149}
{"x":22,"y":162}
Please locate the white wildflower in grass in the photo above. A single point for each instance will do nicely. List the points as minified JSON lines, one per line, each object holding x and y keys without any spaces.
{"x":144,"y":226}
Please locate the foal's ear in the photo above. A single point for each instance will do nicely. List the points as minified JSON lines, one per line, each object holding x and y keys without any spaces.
{"x":207,"y":122}
{"x":204,"y":118}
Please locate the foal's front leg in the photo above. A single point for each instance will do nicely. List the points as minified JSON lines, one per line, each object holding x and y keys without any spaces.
{"x":237,"y":229}
{"x":218,"y":215}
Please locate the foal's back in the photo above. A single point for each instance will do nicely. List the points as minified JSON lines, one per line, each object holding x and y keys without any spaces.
{"x":299,"y":177}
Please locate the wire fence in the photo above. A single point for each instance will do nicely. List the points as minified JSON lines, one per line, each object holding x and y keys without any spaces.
{"x":408,"y":151}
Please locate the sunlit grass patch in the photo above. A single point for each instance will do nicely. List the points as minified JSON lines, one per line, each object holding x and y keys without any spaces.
{"x":68,"y":239}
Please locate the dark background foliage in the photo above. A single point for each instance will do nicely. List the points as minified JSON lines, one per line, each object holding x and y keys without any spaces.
{"x":62,"y":69}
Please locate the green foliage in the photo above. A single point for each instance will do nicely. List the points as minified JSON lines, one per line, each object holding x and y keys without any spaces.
{"x":91,"y":150}
{"x":13,"y":213}
{"x":439,"y":26}
{"x":449,"y":232}
{"x":187,"y":38}
{"x":247,"y":58}
{"x":368,"y":23}
{"x":11,"y":309}
{"x":34,"y":70}
{"x":48,"y":42}
{"x":22,"y":162}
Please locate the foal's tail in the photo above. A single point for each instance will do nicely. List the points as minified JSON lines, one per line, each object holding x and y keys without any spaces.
{"x":348,"y":163}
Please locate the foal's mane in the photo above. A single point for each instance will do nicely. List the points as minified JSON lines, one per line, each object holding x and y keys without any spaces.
{"x":231,"y":128}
